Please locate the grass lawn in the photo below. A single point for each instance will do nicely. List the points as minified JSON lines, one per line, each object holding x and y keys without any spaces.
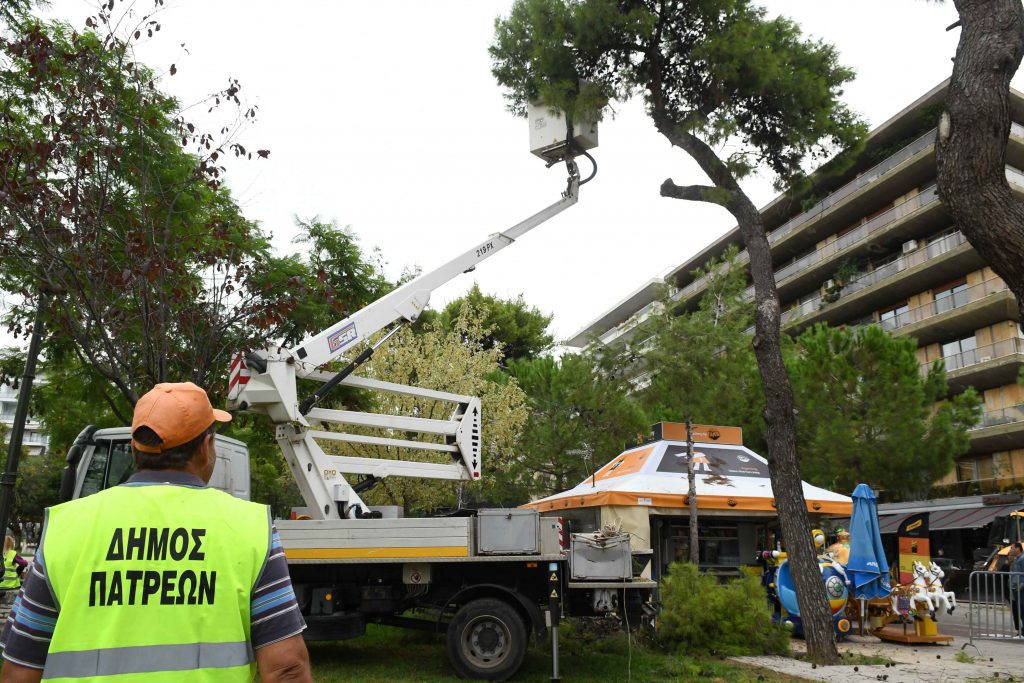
{"x":388,"y":654}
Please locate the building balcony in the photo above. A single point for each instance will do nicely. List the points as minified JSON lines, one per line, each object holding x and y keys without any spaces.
{"x":869,"y":290}
{"x":986,"y":366}
{"x":983,"y":304}
{"x":977,"y":487}
{"x":622,"y":332}
{"x":918,"y":151}
{"x":858,"y":197}
{"x":925,"y":198}
{"x":893,"y":227}
{"x":999,"y":430}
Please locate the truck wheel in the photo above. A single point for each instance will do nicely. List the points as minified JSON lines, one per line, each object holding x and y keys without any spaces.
{"x":486,"y":640}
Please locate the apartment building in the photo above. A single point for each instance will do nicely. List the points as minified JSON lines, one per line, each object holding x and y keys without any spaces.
{"x":34,"y":439}
{"x":875,"y":245}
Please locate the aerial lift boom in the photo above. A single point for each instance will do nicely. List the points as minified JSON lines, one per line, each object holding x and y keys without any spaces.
{"x":265,"y":382}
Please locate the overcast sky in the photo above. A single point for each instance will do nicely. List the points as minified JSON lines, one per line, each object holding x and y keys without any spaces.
{"x":384,"y":116}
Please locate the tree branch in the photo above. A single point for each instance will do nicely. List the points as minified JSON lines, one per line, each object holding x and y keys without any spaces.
{"x":695,"y":193}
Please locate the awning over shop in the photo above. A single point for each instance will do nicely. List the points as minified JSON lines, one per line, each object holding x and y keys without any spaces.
{"x":945,"y":519}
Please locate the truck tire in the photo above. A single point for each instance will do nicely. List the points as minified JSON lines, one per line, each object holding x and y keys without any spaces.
{"x":486,"y":640}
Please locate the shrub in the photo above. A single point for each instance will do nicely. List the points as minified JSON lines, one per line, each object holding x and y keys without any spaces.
{"x":700,"y":616}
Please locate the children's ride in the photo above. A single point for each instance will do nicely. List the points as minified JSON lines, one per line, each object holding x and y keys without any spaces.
{"x":920,"y":588}
{"x":939,"y":594}
{"x":782,"y":592}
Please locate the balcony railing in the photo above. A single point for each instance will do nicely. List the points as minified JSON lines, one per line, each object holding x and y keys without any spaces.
{"x":925,"y":198}
{"x":834,"y":198}
{"x":975,"y":487}
{"x":630,"y":323}
{"x":865,"y":280}
{"x":917,"y":146}
{"x":982,"y":354}
{"x":1008,"y":415}
{"x":869,"y":176}
{"x":879,"y":222}
{"x":945,"y":304}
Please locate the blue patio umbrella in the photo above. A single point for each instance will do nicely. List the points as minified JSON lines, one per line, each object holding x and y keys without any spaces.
{"x":867,"y":569}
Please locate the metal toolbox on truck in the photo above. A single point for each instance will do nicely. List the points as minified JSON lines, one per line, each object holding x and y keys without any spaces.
{"x":601,"y":558}
{"x":508,"y":531}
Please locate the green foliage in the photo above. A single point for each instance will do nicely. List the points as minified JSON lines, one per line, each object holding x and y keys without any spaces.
{"x":701,"y":361}
{"x":843,"y":275}
{"x":718,"y":69}
{"x":580,"y":417}
{"x":330,"y":280}
{"x":867,"y":415}
{"x":452,"y":360}
{"x":37,"y":487}
{"x":700,"y":616}
{"x":518,"y":329}
{"x":371,"y":659}
{"x":808,"y":203}
{"x":116,"y":203}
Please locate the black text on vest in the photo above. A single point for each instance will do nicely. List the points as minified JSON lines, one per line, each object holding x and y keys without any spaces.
{"x":149,"y":586}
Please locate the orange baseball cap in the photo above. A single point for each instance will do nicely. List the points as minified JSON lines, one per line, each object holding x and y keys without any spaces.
{"x":178,"y":412}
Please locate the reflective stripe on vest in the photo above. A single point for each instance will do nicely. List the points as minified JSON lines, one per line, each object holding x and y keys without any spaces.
{"x":154,"y":580}
{"x":147,"y":659}
{"x":11,"y":579}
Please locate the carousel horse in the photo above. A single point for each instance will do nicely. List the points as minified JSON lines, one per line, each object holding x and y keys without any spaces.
{"x":935,"y":588}
{"x":920,"y":589}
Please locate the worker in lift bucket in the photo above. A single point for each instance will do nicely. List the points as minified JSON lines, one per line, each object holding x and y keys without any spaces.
{"x":160,"y":578}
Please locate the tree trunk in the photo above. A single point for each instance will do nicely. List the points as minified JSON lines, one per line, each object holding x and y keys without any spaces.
{"x":780,"y":425}
{"x":972,"y":138}
{"x":780,"y":422}
{"x":691,"y":496}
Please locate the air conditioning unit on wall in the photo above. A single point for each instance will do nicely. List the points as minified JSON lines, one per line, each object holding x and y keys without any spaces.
{"x":909,"y":246}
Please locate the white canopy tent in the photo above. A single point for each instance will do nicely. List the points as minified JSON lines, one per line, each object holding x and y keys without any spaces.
{"x":651,"y":480}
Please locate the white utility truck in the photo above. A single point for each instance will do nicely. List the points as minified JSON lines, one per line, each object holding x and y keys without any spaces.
{"x":486,"y":578}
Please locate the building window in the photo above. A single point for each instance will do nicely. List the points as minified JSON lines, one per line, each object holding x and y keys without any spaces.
{"x":960,"y":353}
{"x":951,"y":296}
{"x":895,"y":317}
{"x":967,"y":470}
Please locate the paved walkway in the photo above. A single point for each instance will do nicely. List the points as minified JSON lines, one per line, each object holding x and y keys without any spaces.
{"x":993,"y":661}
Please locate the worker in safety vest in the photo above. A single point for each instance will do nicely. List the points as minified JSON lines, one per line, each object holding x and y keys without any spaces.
{"x":161,"y":578}
{"x":13,"y":566}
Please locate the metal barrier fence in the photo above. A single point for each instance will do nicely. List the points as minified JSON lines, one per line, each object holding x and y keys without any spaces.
{"x":992,"y":606}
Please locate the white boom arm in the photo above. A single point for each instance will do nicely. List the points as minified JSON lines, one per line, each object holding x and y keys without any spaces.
{"x":406,"y":302}
{"x":266,"y":382}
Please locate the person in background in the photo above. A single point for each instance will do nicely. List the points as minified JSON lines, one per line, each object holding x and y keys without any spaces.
{"x":14,"y":566}
{"x":1017,"y":587}
{"x":160,"y":578}
{"x":840,"y":550}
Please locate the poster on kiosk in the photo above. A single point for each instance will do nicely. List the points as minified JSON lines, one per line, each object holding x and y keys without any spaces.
{"x":913,"y":535}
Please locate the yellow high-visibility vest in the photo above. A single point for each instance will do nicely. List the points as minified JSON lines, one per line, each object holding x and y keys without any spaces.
{"x":154,"y":581}
{"x":11,"y":580}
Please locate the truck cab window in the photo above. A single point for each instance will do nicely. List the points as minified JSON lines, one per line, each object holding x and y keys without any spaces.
{"x":95,"y":475}
{"x":121,"y":463}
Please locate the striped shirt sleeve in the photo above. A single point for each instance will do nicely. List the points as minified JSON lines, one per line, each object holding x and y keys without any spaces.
{"x":29,"y":628}
{"x":274,"y":612}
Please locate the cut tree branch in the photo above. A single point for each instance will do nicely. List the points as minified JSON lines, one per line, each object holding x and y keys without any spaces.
{"x":695,"y":193}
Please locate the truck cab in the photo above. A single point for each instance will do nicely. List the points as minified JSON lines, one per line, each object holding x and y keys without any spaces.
{"x":101,"y":458}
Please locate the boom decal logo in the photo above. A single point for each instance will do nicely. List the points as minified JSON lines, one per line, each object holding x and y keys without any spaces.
{"x":342,"y":338}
